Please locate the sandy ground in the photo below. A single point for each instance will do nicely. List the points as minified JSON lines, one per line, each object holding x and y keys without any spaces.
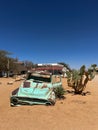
{"x":76,"y":112}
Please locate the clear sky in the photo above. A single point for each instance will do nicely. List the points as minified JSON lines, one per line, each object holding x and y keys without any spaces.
{"x":49,"y":31}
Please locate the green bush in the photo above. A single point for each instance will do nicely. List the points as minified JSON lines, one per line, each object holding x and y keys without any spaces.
{"x":59,"y":92}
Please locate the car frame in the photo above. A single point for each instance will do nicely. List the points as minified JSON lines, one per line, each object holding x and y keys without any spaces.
{"x":38,"y":88}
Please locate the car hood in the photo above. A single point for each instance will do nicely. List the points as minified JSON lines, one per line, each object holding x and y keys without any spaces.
{"x":40,"y":93}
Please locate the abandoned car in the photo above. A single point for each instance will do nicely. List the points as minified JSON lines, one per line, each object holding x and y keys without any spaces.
{"x":36,"y":89}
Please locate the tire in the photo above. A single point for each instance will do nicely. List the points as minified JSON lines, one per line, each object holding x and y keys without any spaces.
{"x":51,"y":103}
{"x":14,"y":100}
{"x":48,"y":104}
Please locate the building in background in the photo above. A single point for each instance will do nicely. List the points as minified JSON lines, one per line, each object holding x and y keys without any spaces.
{"x":53,"y":68}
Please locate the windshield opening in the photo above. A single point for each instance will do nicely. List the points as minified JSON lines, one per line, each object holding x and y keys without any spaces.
{"x":40,"y":78}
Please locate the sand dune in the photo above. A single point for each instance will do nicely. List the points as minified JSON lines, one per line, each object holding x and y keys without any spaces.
{"x":75,"y":112}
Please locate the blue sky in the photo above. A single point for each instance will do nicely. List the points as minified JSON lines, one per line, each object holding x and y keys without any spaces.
{"x":49,"y":31}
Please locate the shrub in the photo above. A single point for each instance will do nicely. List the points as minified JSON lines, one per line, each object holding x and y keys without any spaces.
{"x":77,"y":79}
{"x":59,"y":92}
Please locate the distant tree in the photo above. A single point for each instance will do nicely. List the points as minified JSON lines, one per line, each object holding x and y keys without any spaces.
{"x":16,"y":59}
{"x":28,"y":64}
{"x":35,"y":65}
{"x":4,"y":61}
{"x":12,"y":65}
{"x":7,"y":64}
{"x":4,"y":53}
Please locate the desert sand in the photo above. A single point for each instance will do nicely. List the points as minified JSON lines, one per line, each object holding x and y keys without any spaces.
{"x":75,"y":112}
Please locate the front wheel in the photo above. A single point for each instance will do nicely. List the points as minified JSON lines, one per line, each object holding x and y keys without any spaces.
{"x":14,"y":101}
